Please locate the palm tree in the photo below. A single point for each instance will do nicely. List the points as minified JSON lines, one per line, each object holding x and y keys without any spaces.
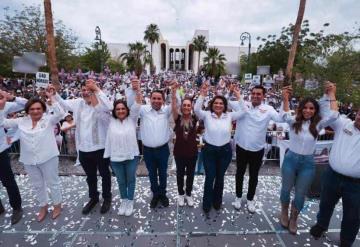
{"x":214,"y":62}
{"x":50,"y":39}
{"x":137,"y":57}
{"x":293,"y":48}
{"x":152,"y":34}
{"x":200,"y":44}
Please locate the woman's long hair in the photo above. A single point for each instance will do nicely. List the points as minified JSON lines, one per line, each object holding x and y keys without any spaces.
{"x":186,"y":125}
{"x":299,"y":119}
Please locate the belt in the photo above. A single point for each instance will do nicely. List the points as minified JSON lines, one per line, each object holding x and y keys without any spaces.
{"x":156,"y":147}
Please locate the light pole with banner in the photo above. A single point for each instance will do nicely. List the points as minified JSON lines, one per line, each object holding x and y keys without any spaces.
{"x":246,"y":36}
{"x":99,"y":45}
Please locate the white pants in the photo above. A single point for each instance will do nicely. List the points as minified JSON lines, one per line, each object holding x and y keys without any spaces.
{"x":45,"y":177}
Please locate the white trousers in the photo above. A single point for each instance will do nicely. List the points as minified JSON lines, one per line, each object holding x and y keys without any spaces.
{"x":44,"y":177}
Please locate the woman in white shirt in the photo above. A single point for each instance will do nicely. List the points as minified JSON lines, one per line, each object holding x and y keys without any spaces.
{"x":39,"y":151}
{"x":122,"y":148}
{"x":298,"y":167}
{"x":217,"y":150}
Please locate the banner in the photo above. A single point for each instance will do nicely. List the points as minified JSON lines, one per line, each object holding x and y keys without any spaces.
{"x":42,"y":79}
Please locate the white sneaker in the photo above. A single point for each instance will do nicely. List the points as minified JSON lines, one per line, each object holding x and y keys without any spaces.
{"x":181,"y":200}
{"x":123,"y":206}
{"x":237,"y":203}
{"x":129,"y":207}
{"x":251,"y":206}
{"x":189,"y":201}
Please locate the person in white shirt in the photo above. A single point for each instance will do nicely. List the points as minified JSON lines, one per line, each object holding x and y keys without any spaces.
{"x":6,"y":175}
{"x":217,"y":150}
{"x":298,"y":168}
{"x":40,"y":158}
{"x":341,"y":180}
{"x":155,"y":135}
{"x":122,"y":148}
{"x":90,"y":133}
{"x":250,"y":139}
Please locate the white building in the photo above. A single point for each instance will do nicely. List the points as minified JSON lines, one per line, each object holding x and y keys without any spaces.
{"x":169,"y":57}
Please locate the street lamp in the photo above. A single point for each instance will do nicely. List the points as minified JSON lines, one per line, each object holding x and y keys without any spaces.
{"x":245,"y":36}
{"x":99,"y":45}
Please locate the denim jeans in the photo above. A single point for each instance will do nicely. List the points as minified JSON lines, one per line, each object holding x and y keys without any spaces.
{"x":125,"y":172}
{"x":156,"y":160}
{"x":216,"y":161}
{"x":200,"y":163}
{"x":336,"y":186}
{"x":8,"y":180}
{"x":299,"y":171}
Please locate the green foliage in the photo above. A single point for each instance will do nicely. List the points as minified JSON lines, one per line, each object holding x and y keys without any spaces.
{"x":152,"y":35}
{"x":116,"y":66}
{"x":137,"y":58}
{"x":319,"y":56}
{"x":200,"y":45}
{"x":214,"y":63}
{"x":24,"y":31}
{"x":94,"y":57}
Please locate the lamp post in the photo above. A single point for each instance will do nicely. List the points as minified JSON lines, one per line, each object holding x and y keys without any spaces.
{"x":99,"y":45}
{"x":245,"y":36}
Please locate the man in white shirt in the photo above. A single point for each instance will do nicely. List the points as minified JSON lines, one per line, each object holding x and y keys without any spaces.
{"x":6,"y":175}
{"x":250,"y":135}
{"x":342,"y":180}
{"x":90,"y":134}
{"x":155,"y":134}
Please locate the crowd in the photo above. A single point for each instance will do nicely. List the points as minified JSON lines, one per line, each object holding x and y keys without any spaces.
{"x":103,"y":122}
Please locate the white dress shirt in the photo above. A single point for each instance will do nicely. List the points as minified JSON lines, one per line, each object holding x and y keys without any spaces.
{"x":304,"y":142}
{"x":37,"y":145}
{"x":91,"y":126}
{"x":217,"y":129}
{"x":121,"y":142}
{"x":345,"y":152}
{"x":251,"y":128}
{"x":154,"y":125}
{"x":10,"y":107}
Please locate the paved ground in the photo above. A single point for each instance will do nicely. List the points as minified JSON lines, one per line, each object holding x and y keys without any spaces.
{"x":172,"y":226}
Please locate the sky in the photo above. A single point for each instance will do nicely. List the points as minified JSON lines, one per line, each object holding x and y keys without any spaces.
{"x":124,"y":21}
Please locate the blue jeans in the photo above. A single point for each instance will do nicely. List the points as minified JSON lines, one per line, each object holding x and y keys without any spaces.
{"x":216,"y":161}
{"x":156,"y":160}
{"x":125,"y":172}
{"x":299,"y":171}
{"x":335,"y":186}
{"x":200,"y":163}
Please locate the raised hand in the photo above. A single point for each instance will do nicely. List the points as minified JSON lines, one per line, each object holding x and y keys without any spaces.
{"x":286,"y":92}
{"x":330,"y":88}
{"x":135,"y":84}
{"x":91,"y":85}
{"x":204,"y":89}
{"x":2,"y":99}
{"x":174,"y":86}
{"x":237,"y":92}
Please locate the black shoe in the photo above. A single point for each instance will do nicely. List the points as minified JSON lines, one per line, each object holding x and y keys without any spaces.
{"x":217,"y":206}
{"x":154,"y":202}
{"x":105,"y":206}
{"x":89,"y":206}
{"x":164,"y":201}
{"x":317,"y":231}
{"x":2,"y":209}
{"x":16,"y":216}
{"x":206,"y":210}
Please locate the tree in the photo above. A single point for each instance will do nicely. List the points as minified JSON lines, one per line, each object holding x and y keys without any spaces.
{"x":116,"y":66}
{"x":297,"y":28}
{"x":200,"y":45}
{"x":137,"y":57}
{"x":152,"y":34}
{"x":24,"y":31}
{"x":214,"y":62}
{"x":51,"y":44}
{"x":90,"y":60}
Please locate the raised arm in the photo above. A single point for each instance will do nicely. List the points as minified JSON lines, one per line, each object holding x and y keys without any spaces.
{"x":285,"y":108}
{"x":6,"y":123}
{"x":333,"y":113}
{"x":199,"y":102}
{"x":174,"y":106}
{"x":17,"y":103}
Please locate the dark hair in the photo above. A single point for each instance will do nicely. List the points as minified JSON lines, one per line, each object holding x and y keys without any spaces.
{"x":187,"y":98}
{"x":33,"y":101}
{"x":259,"y":87}
{"x":299,"y":119}
{"x":120,"y":101}
{"x":223,"y":100}
{"x":158,"y":91}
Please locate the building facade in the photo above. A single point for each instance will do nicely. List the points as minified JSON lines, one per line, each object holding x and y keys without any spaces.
{"x":185,"y":58}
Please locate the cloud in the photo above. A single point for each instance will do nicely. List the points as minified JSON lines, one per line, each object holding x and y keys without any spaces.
{"x":125,"y":20}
